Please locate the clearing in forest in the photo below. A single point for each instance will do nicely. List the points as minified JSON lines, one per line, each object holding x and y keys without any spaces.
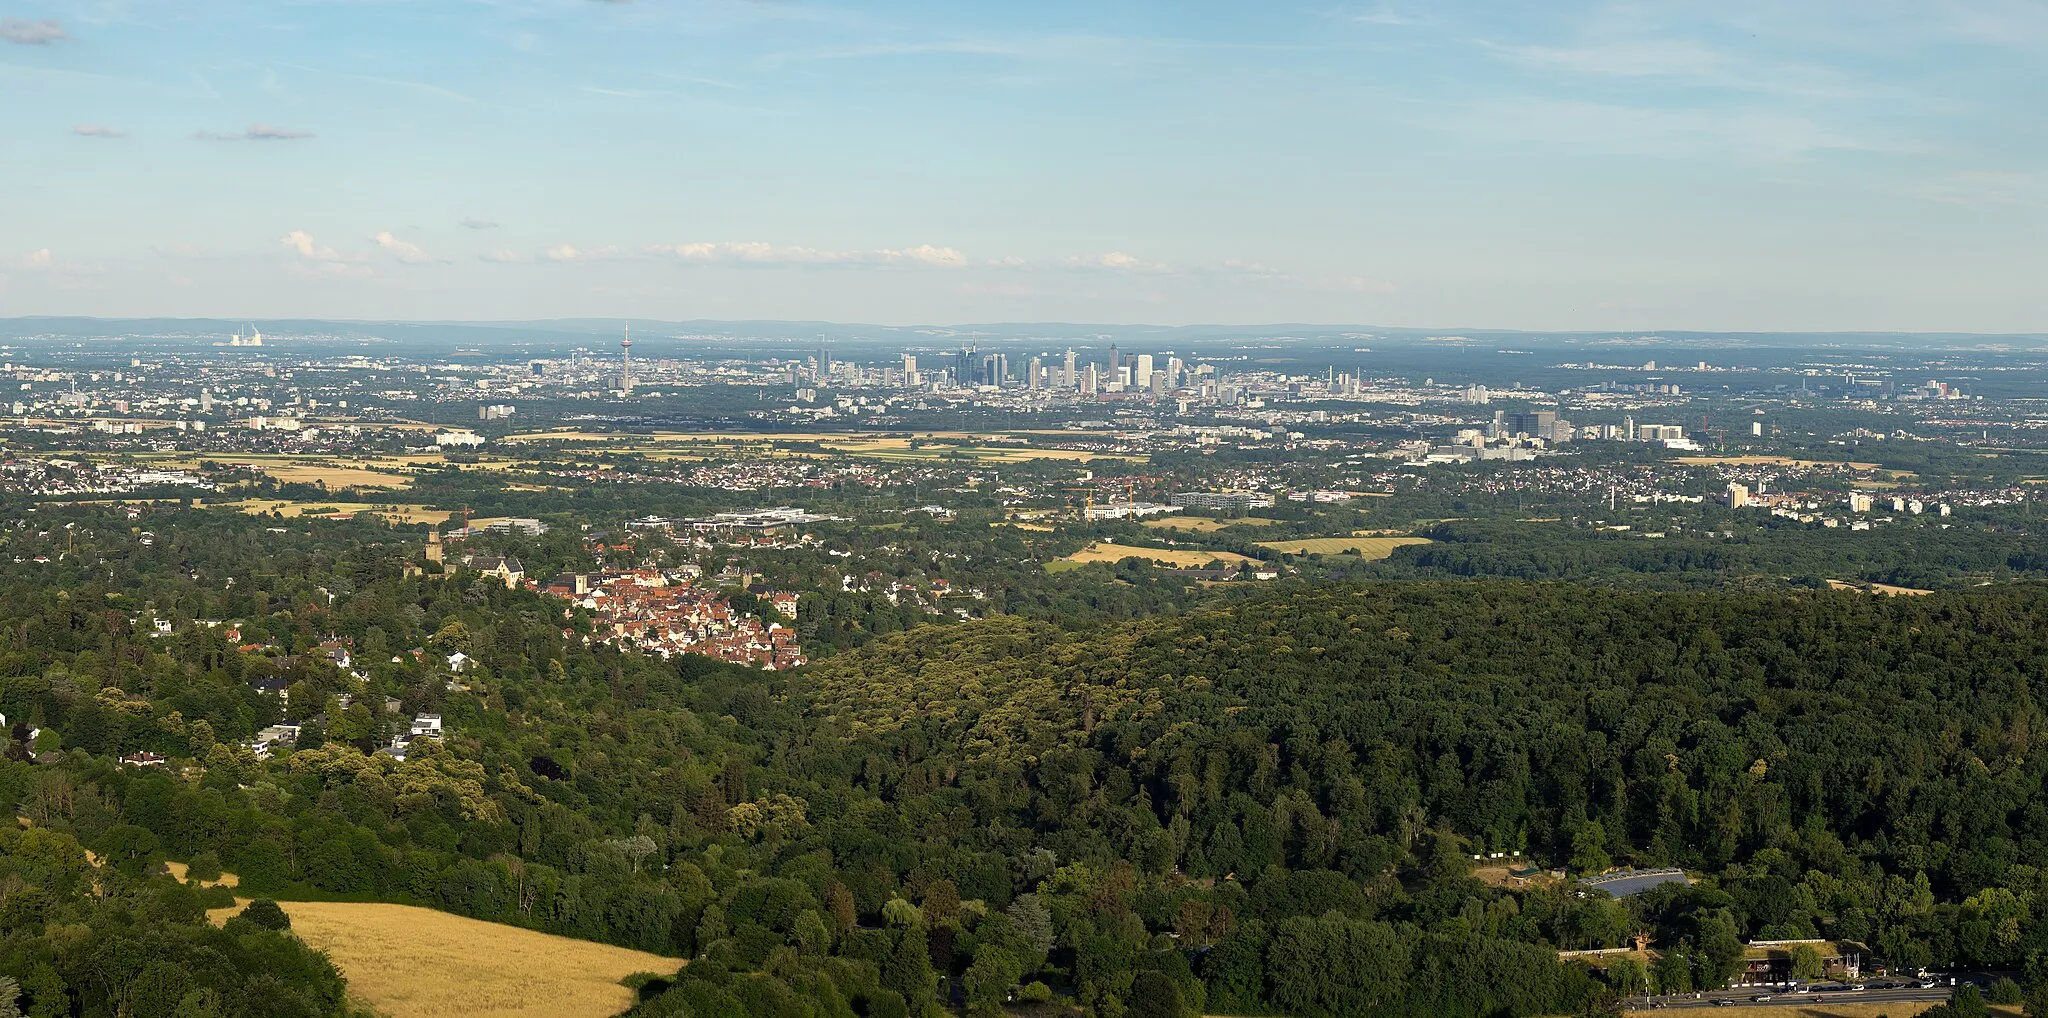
{"x":1878,"y":588}
{"x":1367,"y":547}
{"x":410,"y":962}
{"x":1103,"y":551}
{"x":1204,"y":525}
{"x":395,"y":512}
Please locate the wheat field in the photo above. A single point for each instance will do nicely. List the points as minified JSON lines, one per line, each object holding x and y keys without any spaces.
{"x":1369,"y":547}
{"x":1105,"y":552}
{"x":409,"y":962}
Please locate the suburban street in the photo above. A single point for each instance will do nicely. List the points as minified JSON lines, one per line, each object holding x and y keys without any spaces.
{"x":1744,"y":998}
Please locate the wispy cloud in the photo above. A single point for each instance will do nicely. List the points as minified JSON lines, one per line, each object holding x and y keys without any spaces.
{"x":1384,"y":14}
{"x":319,"y":259}
{"x":256,"y":132}
{"x":759,"y":253}
{"x":1113,"y":261}
{"x":97,"y":131}
{"x":505,"y":257}
{"x":572,"y":253}
{"x":1689,"y":62}
{"x":308,"y":248}
{"x":424,"y":88}
{"x":404,"y":251}
{"x":34,"y":261}
{"x":1985,"y":189}
{"x":473,"y":223}
{"x":1745,"y":133}
{"x":24,"y":32}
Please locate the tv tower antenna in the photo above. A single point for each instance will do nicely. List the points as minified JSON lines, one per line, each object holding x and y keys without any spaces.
{"x":626,"y":360}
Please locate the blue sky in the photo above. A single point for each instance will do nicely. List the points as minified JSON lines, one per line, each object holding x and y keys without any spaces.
{"x":1793,"y":164}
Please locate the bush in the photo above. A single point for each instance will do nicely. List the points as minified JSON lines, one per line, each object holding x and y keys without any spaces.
{"x":2005,"y":991}
{"x":205,"y":866}
{"x":1034,"y":992}
{"x":264,"y":913}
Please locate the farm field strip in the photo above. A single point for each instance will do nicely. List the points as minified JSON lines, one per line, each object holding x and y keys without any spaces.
{"x":1183,"y":558}
{"x":1367,"y":547}
{"x":1204,"y":525}
{"x":410,"y":962}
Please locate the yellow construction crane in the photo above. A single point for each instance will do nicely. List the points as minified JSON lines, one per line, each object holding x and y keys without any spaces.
{"x":1088,"y":507}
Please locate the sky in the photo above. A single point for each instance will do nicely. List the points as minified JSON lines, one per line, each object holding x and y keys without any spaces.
{"x":1762,"y":165}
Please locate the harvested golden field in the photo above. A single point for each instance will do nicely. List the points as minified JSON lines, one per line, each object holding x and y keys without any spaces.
{"x":177,"y":870}
{"x":299,"y":469}
{"x":1203,"y":525}
{"x":1878,"y":588}
{"x":395,"y":512}
{"x":1102,"y":551}
{"x":412,"y":962}
{"x":1367,"y":547}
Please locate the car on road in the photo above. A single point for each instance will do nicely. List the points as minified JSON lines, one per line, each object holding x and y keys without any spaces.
{"x":1724,"y":1001}
{"x":1761,"y":998}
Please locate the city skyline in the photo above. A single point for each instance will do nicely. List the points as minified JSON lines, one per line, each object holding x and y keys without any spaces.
{"x":1588,"y":166}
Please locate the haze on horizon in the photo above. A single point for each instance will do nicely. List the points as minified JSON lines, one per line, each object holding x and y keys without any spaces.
{"x":1744,"y":165}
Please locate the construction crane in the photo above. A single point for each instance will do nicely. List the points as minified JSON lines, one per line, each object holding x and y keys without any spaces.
{"x":1130,"y":485}
{"x":1088,"y":507}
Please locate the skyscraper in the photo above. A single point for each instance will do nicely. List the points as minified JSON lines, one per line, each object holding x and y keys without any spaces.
{"x":1141,"y":376}
{"x":1068,"y":380}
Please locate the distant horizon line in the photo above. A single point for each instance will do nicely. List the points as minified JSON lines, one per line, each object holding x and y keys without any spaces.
{"x":1404,"y":330}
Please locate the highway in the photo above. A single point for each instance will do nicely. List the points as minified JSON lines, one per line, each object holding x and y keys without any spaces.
{"x":1912,"y":995}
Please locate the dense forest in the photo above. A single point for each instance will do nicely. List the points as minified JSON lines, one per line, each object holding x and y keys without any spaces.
{"x":1264,"y":805}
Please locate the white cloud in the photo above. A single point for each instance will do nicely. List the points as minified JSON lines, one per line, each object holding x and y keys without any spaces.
{"x":307,"y":247}
{"x":1113,"y":261}
{"x":35,"y":261}
{"x":562,"y":253}
{"x":761,"y":253}
{"x":31,"y":33}
{"x":1251,"y":269}
{"x":97,"y":131}
{"x":925,"y":255}
{"x":404,"y":251}
{"x":317,"y":258}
